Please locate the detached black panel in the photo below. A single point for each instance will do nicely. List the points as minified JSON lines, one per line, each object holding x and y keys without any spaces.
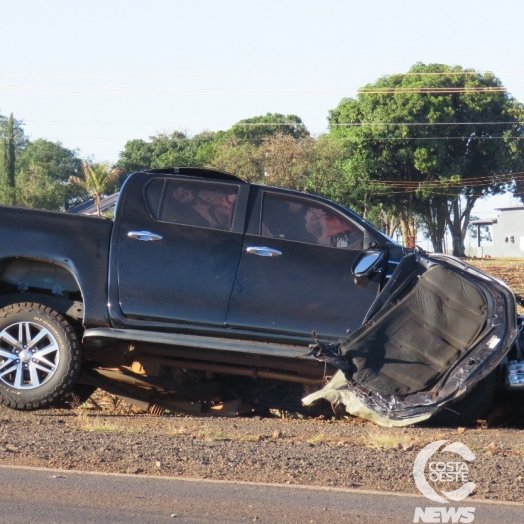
{"x":416,"y":340}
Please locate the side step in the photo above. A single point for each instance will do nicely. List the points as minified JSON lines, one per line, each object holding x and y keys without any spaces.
{"x":97,"y":336}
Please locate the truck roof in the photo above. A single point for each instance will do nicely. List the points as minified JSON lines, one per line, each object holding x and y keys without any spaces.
{"x":89,"y":207}
{"x":194,"y":171}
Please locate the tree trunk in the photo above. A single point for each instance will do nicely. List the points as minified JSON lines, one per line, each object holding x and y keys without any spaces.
{"x":434,"y":211}
{"x":407,"y":223}
{"x":458,"y":223}
{"x":97,"y":202}
{"x":9,"y":162}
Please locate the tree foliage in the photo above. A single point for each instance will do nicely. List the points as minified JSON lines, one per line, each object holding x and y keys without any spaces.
{"x":420,"y":143}
{"x":413,"y":151}
{"x":165,"y":150}
{"x":256,"y":129}
{"x":44,"y":169}
{"x":7,"y":179}
{"x":98,"y":180}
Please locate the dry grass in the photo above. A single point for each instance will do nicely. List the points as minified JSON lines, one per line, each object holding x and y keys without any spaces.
{"x":510,"y":270}
{"x":386,"y":438}
{"x":174,"y":429}
{"x":317,"y":439}
{"x":88,"y":422}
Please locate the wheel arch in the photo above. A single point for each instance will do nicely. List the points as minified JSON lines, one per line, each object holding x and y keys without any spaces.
{"x":44,"y":281}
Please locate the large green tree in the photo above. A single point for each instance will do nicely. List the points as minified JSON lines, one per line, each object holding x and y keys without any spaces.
{"x":430,"y":143}
{"x":43,"y":171}
{"x":164,"y":150}
{"x":268,"y":149}
{"x":237,"y":157}
{"x":258,"y":128}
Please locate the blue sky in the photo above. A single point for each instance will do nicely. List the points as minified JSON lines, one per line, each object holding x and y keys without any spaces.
{"x":94,"y":74}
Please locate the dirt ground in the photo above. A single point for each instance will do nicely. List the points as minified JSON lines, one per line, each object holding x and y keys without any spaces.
{"x":345,"y":453}
{"x":105,"y":435}
{"x":510,"y":270}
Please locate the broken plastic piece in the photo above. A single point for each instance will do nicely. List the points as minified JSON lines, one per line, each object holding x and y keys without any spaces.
{"x":515,"y":374}
{"x":336,"y":392}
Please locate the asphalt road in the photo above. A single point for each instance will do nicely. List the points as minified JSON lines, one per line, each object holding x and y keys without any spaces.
{"x":44,"y":496}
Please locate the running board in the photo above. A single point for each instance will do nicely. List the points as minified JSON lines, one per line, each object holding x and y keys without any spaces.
{"x":193,"y":341}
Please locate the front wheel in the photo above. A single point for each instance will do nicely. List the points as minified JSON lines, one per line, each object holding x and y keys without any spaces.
{"x":39,"y":356}
{"x":467,"y":410}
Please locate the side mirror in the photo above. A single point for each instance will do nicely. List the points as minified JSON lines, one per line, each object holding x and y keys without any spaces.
{"x":367,"y":263}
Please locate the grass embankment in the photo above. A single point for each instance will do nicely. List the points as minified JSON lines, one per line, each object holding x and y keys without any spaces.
{"x":510,"y":270}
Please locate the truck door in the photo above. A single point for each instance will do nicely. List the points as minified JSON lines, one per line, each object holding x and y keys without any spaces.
{"x":295,"y":274}
{"x":178,"y":250}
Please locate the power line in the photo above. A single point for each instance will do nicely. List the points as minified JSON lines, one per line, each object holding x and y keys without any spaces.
{"x":285,"y":124}
{"x":434,"y":90}
{"x":473,"y":137}
{"x":484,"y":180}
{"x":467,"y":137}
{"x":104,"y":90}
{"x":253,"y":75}
{"x":371,"y":124}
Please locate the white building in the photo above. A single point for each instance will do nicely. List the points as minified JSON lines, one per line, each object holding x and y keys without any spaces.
{"x":507,"y":232}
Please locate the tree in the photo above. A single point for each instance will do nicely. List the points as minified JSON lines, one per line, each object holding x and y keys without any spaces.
{"x":165,"y":150}
{"x":98,"y":180}
{"x":43,"y":171}
{"x":286,"y":161}
{"x":258,"y":128}
{"x":431,"y":143}
{"x":325,"y":172}
{"x":239,"y":158}
{"x":8,"y":164}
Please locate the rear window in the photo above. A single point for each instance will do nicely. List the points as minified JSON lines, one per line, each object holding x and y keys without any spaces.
{"x":199,"y":203}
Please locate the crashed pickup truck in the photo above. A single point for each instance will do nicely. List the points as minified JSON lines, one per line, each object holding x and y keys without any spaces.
{"x":208,"y":294}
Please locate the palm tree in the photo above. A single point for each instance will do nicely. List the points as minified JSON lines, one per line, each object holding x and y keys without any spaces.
{"x":97,"y":180}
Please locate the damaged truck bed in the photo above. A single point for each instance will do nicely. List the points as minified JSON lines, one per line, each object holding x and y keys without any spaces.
{"x":203,"y":293}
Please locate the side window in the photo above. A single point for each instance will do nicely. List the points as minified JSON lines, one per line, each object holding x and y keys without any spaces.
{"x":153,"y":192}
{"x":202,"y":204}
{"x":302,"y":220}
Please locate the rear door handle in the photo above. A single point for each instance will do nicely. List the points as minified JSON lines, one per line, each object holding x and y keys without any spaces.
{"x":263,"y":251}
{"x":146,"y":236}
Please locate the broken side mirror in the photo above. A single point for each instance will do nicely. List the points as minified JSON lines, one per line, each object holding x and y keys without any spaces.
{"x":367,"y":263}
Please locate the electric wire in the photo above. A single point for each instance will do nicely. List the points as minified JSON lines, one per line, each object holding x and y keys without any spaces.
{"x":239,"y":91}
{"x":283,"y":124}
{"x":264,"y":74}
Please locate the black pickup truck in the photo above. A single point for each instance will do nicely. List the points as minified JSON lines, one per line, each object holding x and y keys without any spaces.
{"x":203,"y":293}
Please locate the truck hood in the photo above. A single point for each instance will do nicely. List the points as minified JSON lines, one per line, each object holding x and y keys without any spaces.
{"x":438,"y":327}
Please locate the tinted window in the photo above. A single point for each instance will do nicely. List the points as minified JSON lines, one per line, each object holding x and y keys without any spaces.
{"x":303,"y":220}
{"x":203,"y":204}
{"x":153,"y":194}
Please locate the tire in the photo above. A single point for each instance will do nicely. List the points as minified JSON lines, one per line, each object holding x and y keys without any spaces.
{"x":475,"y":405}
{"x":39,"y":356}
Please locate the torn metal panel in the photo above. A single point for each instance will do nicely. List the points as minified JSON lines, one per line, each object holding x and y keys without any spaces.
{"x":437,"y":329}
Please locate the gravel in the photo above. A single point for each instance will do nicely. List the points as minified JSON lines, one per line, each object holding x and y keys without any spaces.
{"x":349,"y":453}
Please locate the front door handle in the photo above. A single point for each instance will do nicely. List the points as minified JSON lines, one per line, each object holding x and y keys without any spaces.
{"x":146,"y":236}
{"x":263,"y":251}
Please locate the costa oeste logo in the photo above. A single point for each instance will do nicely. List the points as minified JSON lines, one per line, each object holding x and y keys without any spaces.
{"x":440,"y":472}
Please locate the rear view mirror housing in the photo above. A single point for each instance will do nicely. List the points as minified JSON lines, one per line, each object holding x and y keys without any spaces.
{"x":367,"y":263}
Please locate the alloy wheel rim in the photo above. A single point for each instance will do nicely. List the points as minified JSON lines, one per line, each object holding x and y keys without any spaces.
{"x":29,"y":355}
